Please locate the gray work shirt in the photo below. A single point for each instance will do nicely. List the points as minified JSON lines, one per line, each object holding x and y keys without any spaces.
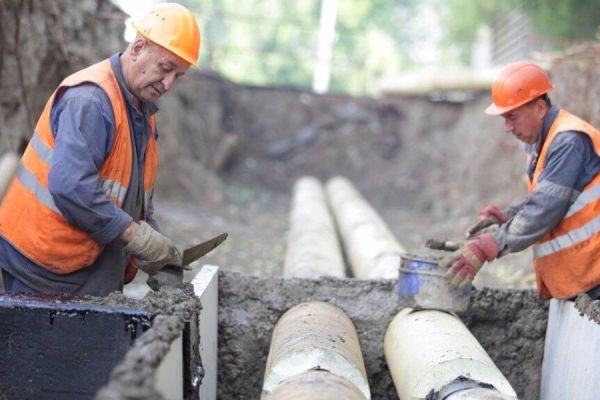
{"x":84,"y":130}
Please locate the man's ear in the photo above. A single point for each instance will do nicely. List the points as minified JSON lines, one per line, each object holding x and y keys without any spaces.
{"x":541,"y":108}
{"x":138,"y":45}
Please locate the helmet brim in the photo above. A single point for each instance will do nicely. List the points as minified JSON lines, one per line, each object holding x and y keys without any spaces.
{"x":493,"y":109}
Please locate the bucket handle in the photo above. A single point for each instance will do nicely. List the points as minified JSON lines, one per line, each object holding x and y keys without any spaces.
{"x":412,"y":271}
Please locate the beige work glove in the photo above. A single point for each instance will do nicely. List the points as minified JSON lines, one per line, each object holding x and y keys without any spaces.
{"x":151,"y":249}
{"x":466,"y":262}
{"x":169,"y":276}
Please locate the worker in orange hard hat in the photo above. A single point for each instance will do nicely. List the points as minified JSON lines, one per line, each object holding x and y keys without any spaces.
{"x":564,"y":173}
{"x":559,"y":219}
{"x":78,"y":218}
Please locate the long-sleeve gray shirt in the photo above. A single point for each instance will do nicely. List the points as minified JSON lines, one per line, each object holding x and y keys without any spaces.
{"x":571,"y":163}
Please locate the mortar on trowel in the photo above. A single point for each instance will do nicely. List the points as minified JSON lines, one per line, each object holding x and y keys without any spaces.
{"x":422,"y":284}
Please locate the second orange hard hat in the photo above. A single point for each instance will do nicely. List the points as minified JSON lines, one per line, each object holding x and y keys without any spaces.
{"x":172,"y":26}
{"x":517,"y":84}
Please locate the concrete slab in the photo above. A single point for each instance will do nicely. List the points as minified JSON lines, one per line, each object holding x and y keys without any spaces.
{"x":169,"y":374}
{"x":206,"y":287}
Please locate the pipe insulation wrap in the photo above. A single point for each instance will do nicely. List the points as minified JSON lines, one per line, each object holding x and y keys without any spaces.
{"x":304,"y":387}
{"x":372,"y":249}
{"x":313,"y":248}
{"x":315,"y":336}
{"x":427,"y":350}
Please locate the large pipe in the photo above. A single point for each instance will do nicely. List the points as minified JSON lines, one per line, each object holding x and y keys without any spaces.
{"x":313,"y":247}
{"x":428,"y":351}
{"x":313,"y":336}
{"x":372,"y":249}
{"x":304,"y":387}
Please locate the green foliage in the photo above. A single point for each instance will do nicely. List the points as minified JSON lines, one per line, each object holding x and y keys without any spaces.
{"x":553,"y":20}
{"x":275,"y":41}
{"x":564,"y":19}
{"x":461,"y":20}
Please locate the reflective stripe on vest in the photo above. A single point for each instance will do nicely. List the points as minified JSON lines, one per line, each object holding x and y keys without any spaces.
{"x":567,"y":240}
{"x":567,"y":259}
{"x":114,"y":190}
{"x":585,"y":198}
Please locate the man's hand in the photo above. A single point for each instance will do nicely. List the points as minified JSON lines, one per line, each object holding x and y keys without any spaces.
{"x":151,"y":249}
{"x":490,"y":215}
{"x":169,"y":276}
{"x":466,"y":262}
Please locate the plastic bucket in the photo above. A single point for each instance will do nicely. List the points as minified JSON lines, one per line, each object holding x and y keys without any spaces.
{"x":422,"y":285}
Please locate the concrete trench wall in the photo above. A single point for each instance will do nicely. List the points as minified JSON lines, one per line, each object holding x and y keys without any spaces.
{"x":509,"y":324}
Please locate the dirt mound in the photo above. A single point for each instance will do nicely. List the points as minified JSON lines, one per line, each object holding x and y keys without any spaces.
{"x":576,"y":75}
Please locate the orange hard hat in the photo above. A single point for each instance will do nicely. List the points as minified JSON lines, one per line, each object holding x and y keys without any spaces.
{"x":517,"y":84}
{"x":173,"y":27}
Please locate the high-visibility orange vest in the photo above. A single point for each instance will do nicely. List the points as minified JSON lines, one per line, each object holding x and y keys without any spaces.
{"x":567,"y":259}
{"x":29,"y":218}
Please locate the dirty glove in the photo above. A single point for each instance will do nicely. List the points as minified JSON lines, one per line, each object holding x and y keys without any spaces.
{"x":169,"y":276}
{"x":466,"y":262}
{"x":490,"y":215}
{"x":152,"y":249}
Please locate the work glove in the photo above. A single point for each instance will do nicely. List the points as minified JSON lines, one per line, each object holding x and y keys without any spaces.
{"x":466,"y":262}
{"x":169,"y":276}
{"x":490,"y":215}
{"x":151,"y":249}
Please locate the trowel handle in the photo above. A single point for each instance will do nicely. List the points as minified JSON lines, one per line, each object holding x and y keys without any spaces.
{"x":445,"y":245}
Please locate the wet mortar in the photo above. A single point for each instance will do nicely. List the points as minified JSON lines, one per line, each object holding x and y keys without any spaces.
{"x":588,"y":307}
{"x":134,"y":377}
{"x":509,"y":324}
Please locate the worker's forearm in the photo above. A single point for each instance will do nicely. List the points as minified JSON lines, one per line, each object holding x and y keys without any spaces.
{"x":512,"y":210}
{"x":538,"y":216}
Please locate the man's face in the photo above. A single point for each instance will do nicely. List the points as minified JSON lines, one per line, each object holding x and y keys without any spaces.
{"x":525,"y":122}
{"x":154,"y":70}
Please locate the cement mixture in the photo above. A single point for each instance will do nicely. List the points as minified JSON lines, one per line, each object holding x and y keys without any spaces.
{"x":588,"y":307}
{"x":134,"y":377}
{"x":509,"y":324}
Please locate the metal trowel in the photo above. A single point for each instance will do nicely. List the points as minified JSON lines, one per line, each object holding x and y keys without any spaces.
{"x":195,"y":252}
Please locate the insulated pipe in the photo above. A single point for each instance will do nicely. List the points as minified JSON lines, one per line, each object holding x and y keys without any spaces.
{"x":304,"y":387}
{"x":315,"y":336}
{"x":8,"y":167}
{"x":313,"y":248}
{"x":428,"y":350}
{"x":372,"y":249}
